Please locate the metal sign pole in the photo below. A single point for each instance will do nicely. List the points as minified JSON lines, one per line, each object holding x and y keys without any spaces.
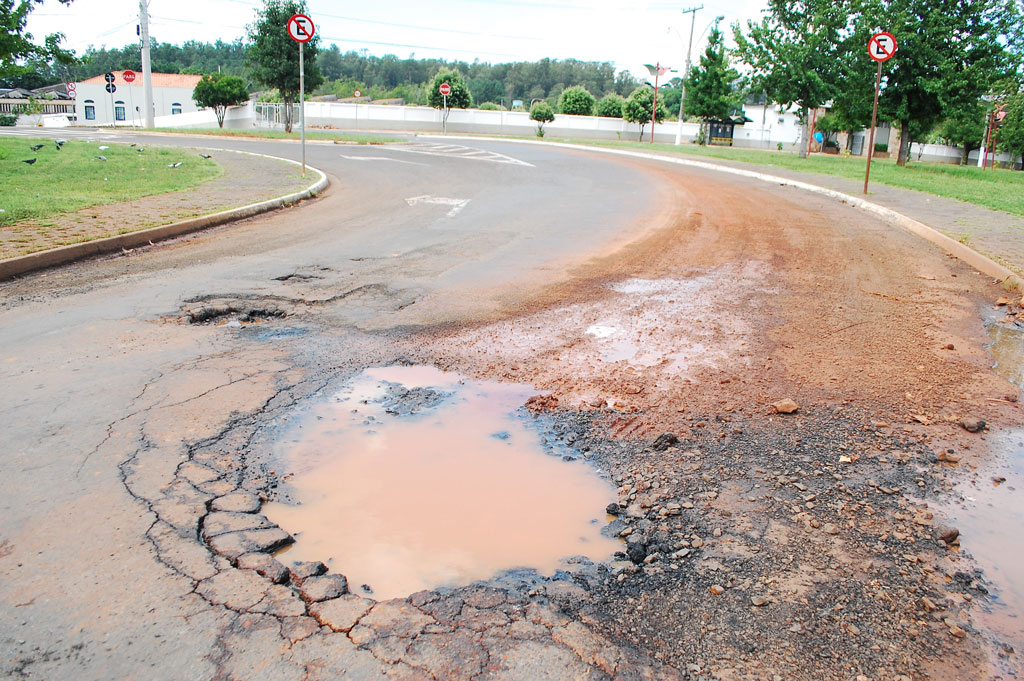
{"x":871,"y":136}
{"x":302,"y":106}
{"x":444,"y":119}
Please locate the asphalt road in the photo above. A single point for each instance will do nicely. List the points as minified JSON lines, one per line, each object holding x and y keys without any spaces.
{"x":138,"y":423}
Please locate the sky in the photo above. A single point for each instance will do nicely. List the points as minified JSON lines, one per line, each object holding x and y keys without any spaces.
{"x":629,"y":33}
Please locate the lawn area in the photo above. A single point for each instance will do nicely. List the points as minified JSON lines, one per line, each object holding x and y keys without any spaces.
{"x":338,"y":137}
{"x":74,"y":177}
{"x":999,"y":189}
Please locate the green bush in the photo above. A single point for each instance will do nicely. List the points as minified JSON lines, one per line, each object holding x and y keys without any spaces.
{"x":576,"y":101}
{"x":881,"y":148}
{"x":610,"y":106}
{"x":8,"y":120}
{"x":489,"y":106}
{"x":542,"y":113}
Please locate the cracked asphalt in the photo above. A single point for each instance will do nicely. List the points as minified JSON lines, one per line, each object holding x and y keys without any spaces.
{"x":145,"y":393}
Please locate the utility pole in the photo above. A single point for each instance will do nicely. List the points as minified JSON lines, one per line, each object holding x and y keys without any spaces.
{"x":147,"y":69}
{"x":693,"y":19}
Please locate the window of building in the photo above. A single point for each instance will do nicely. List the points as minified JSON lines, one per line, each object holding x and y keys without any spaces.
{"x":175,"y":108}
{"x":90,"y":110}
{"x":119,"y":110}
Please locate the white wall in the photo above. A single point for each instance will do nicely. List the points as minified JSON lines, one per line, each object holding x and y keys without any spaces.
{"x":133,"y":98}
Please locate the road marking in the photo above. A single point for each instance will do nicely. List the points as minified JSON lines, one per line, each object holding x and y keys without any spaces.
{"x":456,"y":204}
{"x":456,"y":151}
{"x":381,"y":158}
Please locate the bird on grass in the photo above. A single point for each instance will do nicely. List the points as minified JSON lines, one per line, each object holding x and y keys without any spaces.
{"x":175,"y":165}
{"x":36,"y":147}
{"x":141,"y":149}
{"x":60,"y":144}
{"x":133,"y":144}
{"x":103,"y":147}
{"x":101,"y":158}
{"x":29,"y":161}
{"x":205,"y":156}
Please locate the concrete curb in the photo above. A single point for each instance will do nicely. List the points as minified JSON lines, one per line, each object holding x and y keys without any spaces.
{"x":968,"y":255}
{"x":67,"y":254}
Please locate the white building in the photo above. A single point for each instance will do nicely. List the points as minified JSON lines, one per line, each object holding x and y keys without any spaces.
{"x":172,"y":95}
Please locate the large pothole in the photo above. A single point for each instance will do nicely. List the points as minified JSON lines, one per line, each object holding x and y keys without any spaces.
{"x":411,"y":479}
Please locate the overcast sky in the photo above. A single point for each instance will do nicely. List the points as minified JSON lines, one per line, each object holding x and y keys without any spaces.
{"x":628,"y":33}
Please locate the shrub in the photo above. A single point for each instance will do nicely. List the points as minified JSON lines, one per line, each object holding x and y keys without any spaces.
{"x":610,"y":106}
{"x":542,"y":113}
{"x":8,"y":120}
{"x":577,"y":101}
{"x":489,"y":106}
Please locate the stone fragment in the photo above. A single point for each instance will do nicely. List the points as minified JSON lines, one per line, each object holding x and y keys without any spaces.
{"x":947,"y":534}
{"x":664,"y":441}
{"x":234,"y":544}
{"x":830,"y":528}
{"x":972,"y":424}
{"x":786,"y":406}
{"x":716,"y":589}
{"x":758,"y":601}
{"x":237,"y":502}
{"x":612,"y":509}
{"x":311,"y":568}
{"x":342,"y":613}
{"x":221,"y":523}
{"x":264,"y":564}
{"x":323,"y":588}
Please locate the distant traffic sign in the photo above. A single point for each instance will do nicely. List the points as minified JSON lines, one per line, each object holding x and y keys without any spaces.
{"x":357,"y":93}
{"x":109,"y":77}
{"x":882,"y":46}
{"x":111,"y":88}
{"x":300,"y":28}
{"x":445,"y":89}
{"x":129,"y":76}
{"x":72,"y":86}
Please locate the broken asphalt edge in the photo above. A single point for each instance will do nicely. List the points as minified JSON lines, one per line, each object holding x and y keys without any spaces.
{"x":64,"y":255}
{"x":968,"y":255}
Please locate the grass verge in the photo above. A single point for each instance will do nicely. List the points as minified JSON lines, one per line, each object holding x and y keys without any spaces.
{"x":337,"y":137}
{"x":999,"y":189}
{"x":75,"y":177}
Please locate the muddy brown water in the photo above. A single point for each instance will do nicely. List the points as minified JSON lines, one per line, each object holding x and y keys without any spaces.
{"x":440,"y":486}
{"x":991,"y":519}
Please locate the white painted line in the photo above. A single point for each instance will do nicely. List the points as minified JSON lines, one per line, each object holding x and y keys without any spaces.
{"x":456,"y":204}
{"x":469,"y":153}
{"x":381,"y":158}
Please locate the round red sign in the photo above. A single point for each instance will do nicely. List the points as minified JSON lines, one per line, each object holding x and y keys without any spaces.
{"x":882,"y":46}
{"x":129,"y":76}
{"x":300,"y":28}
{"x":445,"y":89}
{"x":357,"y":93}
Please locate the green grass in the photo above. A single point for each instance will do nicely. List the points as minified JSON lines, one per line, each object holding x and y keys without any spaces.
{"x":338,"y":137}
{"x":73,"y":178}
{"x":999,"y":189}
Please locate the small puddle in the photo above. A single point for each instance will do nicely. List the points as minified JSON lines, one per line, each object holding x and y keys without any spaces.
{"x":1007,"y":349}
{"x":991,"y":523}
{"x":412,"y":478}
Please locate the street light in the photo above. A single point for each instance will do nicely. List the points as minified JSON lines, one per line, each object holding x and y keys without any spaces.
{"x":689,"y":50}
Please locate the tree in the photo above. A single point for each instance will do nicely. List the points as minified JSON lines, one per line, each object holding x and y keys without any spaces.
{"x":711,"y":92}
{"x":611,"y":106}
{"x":16,"y":45}
{"x":459,"y":98}
{"x":542,"y":113}
{"x":637,"y":109}
{"x":274,"y":57}
{"x":1011,"y":132}
{"x":218,"y":91}
{"x":576,"y":101}
{"x":965,"y":128}
{"x":793,"y":53}
{"x":950,"y":53}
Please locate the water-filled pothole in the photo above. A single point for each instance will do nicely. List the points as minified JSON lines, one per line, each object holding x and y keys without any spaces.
{"x":412,"y":479}
{"x":1007,"y":349}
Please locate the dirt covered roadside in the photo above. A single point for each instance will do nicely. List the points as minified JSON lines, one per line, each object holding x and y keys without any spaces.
{"x":759,"y":544}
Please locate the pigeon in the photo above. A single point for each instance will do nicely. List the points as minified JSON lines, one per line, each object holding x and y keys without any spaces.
{"x":29,"y":161}
{"x":133,"y":144}
{"x":205,"y":156}
{"x":141,"y":149}
{"x":101,"y":158}
{"x":175,"y":165}
{"x":103,"y":147}
{"x":36,"y":147}
{"x":61,"y":143}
